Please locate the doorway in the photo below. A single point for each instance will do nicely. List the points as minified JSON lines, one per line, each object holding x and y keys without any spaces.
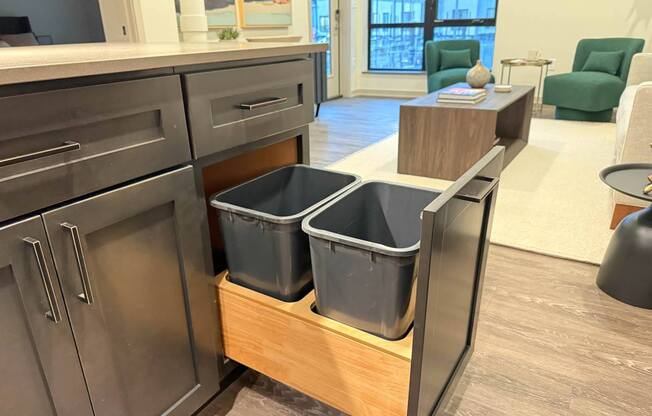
{"x":326,"y":29}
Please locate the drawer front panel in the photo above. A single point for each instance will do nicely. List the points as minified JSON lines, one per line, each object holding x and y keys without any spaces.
{"x":232,"y":107}
{"x":59,"y":144}
{"x":351,"y":370}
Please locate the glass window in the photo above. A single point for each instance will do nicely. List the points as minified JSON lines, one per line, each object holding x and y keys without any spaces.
{"x":466,"y":9}
{"x":396,"y":48}
{"x":397,"y":11}
{"x":321,"y":27}
{"x":398,"y":29}
{"x":485,"y":34}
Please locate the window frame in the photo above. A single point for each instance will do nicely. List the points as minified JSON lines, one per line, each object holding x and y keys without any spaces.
{"x":429,"y":24}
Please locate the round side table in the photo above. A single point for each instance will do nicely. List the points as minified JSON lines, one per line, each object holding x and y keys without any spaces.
{"x":626,"y":271}
{"x":541,"y":63}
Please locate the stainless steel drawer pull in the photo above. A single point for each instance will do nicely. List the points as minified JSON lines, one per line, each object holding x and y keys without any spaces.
{"x":67,"y":146}
{"x":264,"y":103}
{"x":87,"y":293}
{"x":54,"y":314}
{"x":491,"y":184}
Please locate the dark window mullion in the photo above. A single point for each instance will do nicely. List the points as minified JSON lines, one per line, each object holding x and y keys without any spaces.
{"x":428,"y":28}
{"x":381,"y":25}
{"x":431,"y":12}
{"x":369,"y":34}
{"x":464,"y":22}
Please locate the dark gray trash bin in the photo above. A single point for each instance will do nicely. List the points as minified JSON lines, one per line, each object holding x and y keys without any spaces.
{"x":364,"y":248}
{"x":260,"y":222}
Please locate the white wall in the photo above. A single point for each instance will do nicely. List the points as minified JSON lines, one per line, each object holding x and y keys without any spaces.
{"x":552,"y":26}
{"x":555,"y":26}
{"x":67,"y":21}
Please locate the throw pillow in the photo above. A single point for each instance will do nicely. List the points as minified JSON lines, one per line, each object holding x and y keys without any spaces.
{"x":608,"y":62}
{"x":460,"y":58}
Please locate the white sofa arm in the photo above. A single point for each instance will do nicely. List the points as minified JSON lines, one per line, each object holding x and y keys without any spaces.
{"x":636,"y":147}
{"x":640,"y":70}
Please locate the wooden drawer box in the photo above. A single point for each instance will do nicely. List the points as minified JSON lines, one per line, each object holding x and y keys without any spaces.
{"x":60,"y":144}
{"x":359,"y":373}
{"x":349,"y":369}
{"x":232,"y":107}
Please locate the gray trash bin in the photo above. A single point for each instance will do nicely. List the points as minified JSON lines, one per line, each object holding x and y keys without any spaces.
{"x":260,"y":222}
{"x":364,"y":247}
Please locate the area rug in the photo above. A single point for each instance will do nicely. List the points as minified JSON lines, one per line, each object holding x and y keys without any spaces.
{"x":550,"y":199}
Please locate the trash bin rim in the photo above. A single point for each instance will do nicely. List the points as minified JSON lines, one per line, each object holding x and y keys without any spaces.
{"x":276,"y":219}
{"x":356,"y":242}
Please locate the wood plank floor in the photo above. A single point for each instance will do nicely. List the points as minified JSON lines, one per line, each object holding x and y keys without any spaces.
{"x":549,"y":341}
{"x":347,"y":125}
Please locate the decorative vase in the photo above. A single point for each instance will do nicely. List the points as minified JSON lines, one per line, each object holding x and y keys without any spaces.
{"x":478,"y":76}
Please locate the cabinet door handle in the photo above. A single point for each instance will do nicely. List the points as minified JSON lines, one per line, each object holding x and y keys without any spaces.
{"x":54,"y":314}
{"x":87,"y":293}
{"x":491,"y":185}
{"x":66,"y":146}
{"x":265,"y":103}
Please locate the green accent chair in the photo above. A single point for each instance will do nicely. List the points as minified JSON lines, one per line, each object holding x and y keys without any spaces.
{"x":590,"y":95}
{"x":439,"y":78}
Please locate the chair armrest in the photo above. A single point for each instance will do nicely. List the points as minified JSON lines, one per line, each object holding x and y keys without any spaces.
{"x":640,"y":69}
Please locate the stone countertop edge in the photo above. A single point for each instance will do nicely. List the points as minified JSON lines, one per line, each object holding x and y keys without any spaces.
{"x":42,"y":63}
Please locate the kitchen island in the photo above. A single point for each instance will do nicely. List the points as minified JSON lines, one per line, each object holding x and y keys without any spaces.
{"x":108,"y":153}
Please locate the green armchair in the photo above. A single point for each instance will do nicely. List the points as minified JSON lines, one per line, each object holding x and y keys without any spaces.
{"x":439,"y":78}
{"x":593,"y":89}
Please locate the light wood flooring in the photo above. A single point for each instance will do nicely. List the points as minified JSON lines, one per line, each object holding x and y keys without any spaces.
{"x":347,"y":125}
{"x":549,"y":341}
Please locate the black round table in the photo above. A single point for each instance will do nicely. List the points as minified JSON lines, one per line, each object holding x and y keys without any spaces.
{"x":626,"y":271}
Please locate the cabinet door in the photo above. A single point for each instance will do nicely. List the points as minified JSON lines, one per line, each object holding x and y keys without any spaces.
{"x":141,"y":301}
{"x":454,"y":243}
{"x":38,"y":360}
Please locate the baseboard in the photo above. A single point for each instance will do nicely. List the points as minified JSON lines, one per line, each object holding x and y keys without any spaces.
{"x":387,"y":93}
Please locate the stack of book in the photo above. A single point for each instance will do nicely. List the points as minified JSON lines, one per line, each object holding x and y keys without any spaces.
{"x":458,"y":95}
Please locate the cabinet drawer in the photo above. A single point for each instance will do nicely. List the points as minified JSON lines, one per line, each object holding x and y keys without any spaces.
{"x":232,"y":107}
{"x":353,"y":371}
{"x":359,"y":373}
{"x":59,"y":144}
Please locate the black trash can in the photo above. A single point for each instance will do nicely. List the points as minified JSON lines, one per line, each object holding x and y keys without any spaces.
{"x":260,"y":222}
{"x":364,"y":248}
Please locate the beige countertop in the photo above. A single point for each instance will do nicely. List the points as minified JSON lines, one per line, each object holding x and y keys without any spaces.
{"x":39,"y":63}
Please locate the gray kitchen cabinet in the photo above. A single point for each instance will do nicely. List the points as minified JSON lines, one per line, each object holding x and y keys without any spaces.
{"x":141,"y":303}
{"x":40,"y":369}
{"x":233,"y":107}
{"x":454,"y":246}
{"x":64,"y":143}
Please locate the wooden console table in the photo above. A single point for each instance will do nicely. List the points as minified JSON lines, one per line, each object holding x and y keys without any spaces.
{"x":442,"y":141}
